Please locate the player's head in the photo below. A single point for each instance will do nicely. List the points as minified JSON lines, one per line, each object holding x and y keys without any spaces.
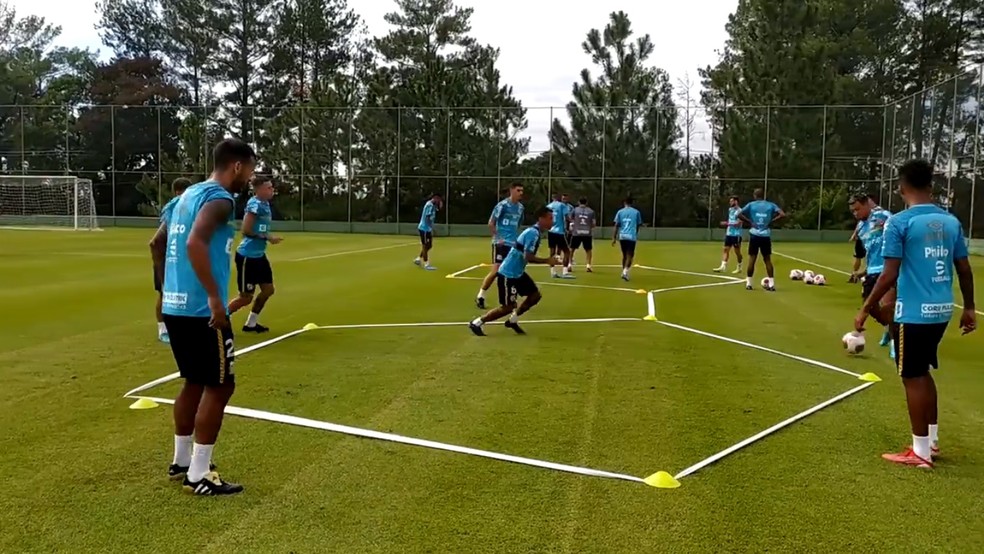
{"x":564,"y":198}
{"x":233,"y":164}
{"x":180,"y":185}
{"x":628,"y":201}
{"x":558,"y":197}
{"x":758,"y":194}
{"x":544,"y":217}
{"x":516,"y":192}
{"x":733,"y":201}
{"x":263,"y":187}
{"x":438,"y":200}
{"x":916,"y":182}
{"x":582,"y":201}
{"x":861,"y":206}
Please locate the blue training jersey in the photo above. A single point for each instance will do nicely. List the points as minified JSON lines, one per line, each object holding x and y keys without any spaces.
{"x":507,"y":216}
{"x":734,"y":223}
{"x":427,"y":217}
{"x":167,"y":209}
{"x":872,"y":234}
{"x":628,"y":220}
{"x":927,"y":240}
{"x":760,"y":213}
{"x":515,"y":263}
{"x":252,"y":247}
{"x":561,"y":213}
{"x":183,"y":292}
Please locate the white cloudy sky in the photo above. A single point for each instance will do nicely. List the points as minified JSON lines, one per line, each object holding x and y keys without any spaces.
{"x":539,"y":40}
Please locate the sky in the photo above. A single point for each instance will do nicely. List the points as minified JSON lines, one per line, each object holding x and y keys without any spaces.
{"x":539,"y":41}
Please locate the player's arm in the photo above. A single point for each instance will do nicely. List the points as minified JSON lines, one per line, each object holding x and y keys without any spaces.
{"x":212,"y":215}
{"x":492,"y":218}
{"x":779,"y":215}
{"x":965,"y":276}
{"x":887,"y":279}
{"x":158,"y":248}
{"x":249,"y":223}
{"x":743,"y":215}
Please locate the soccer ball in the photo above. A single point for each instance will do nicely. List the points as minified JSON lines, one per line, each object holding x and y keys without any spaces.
{"x":808,"y":275}
{"x":764,"y":282}
{"x":820,"y":280}
{"x":809,"y":279}
{"x":853,"y":342}
{"x":796,"y":275}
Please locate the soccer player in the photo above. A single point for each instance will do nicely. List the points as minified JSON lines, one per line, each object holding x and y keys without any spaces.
{"x":504,"y":226}
{"x":732,"y":236}
{"x":426,"y":230}
{"x":178,"y":186}
{"x":195,"y":255}
{"x":512,"y":279}
{"x":871,"y":219}
{"x":252,"y":265}
{"x":568,"y":235}
{"x":582,"y":227}
{"x":627,"y":222}
{"x":557,"y":234}
{"x":760,"y":214}
{"x":923,"y":245}
{"x":859,"y":252}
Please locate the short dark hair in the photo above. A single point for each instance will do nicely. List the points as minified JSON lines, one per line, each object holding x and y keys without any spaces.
{"x":180,"y":184}
{"x":230,"y":151}
{"x":758,"y":194}
{"x":542,"y":211}
{"x":628,"y":201}
{"x":733,"y":197}
{"x":582,"y":200}
{"x":917,"y":174}
{"x":859,"y":199}
{"x":262,"y":178}
{"x":437,"y":195}
{"x":558,"y":196}
{"x":515,"y":185}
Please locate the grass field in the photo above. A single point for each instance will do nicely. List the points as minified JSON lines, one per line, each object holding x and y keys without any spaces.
{"x":83,"y":473}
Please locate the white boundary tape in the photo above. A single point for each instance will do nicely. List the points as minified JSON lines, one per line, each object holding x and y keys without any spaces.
{"x":369,"y":434}
{"x":705,"y":285}
{"x":344,"y":253}
{"x":651,"y":304}
{"x":694,"y":273}
{"x":738,"y":446}
{"x":841,"y":271}
{"x":809,"y":361}
{"x":466,"y":270}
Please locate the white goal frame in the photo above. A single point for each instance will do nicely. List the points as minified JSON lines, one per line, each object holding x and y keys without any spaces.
{"x":62,"y":202}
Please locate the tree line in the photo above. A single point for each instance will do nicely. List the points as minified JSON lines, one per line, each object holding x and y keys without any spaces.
{"x":363,"y":123}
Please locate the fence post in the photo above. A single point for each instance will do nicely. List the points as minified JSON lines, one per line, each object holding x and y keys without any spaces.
{"x":68,"y":145}
{"x":977,"y":149}
{"x":160,"y":165}
{"x":399,"y":170}
{"x":953,"y":135}
{"x":112,"y":155}
{"x":823,"y":165}
{"x":498,"y":154}
{"x":659,"y":113}
{"x":768,"y":147}
{"x":549,"y":159}
{"x":883,"y":162}
{"x":351,"y":170}
{"x":447,"y":176}
{"x":604,"y":141}
{"x":300,"y":133}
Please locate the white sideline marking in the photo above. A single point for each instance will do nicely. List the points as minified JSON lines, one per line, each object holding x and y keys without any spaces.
{"x":651,"y":303}
{"x":466,"y":270}
{"x":842,"y":272}
{"x":549,"y":283}
{"x":762,"y":348}
{"x":688,"y":287}
{"x":103,"y":254}
{"x":333,"y":254}
{"x":732,"y":449}
{"x":369,"y":434}
{"x":694,"y":273}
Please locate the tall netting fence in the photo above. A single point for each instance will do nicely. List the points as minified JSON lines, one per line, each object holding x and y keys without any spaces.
{"x":349,"y":168}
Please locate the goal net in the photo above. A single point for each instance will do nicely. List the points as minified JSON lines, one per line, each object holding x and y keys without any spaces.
{"x":62,"y":202}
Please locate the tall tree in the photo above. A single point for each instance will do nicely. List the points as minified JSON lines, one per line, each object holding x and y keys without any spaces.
{"x":132,"y":28}
{"x":191,"y":44}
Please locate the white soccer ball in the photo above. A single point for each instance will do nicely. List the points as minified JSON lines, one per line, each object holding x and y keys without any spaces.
{"x":796,"y":275}
{"x":764,"y":282}
{"x":809,"y":279}
{"x":853,"y":342}
{"x":820,"y":280}
{"x":809,"y":275}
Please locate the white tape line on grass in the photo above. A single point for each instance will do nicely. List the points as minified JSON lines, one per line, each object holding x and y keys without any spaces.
{"x":705,"y":285}
{"x":810,"y":361}
{"x":651,"y":304}
{"x":695,"y":274}
{"x":369,"y":434}
{"x":240,"y":352}
{"x":466,"y":270}
{"x":842,"y":272}
{"x":732,"y":449}
{"x":364,"y":250}
{"x":553,"y":284}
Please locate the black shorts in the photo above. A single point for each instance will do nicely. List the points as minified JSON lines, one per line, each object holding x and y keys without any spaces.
{"x":510,"y":290}
{"x":426,"y":238}
{"x":917,"y":346}
{"x":730,"y":240}
{"x":499,"y":252}
{"x":869,"y":284}
{"x":252,"y":272}
{"x":204,"y":355}
{"x":577,"y":241}
{"x":628,"y":247}
{"x":757,"y":245}
{"x":557,"y":240}
{"x":859,"y":250}
{"x":158,"y":280}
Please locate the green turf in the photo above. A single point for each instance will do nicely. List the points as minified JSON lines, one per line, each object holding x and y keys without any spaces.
{"x":84,"y":473}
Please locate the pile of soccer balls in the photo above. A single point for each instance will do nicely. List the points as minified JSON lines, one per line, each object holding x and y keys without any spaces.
{"x":808,"y":277}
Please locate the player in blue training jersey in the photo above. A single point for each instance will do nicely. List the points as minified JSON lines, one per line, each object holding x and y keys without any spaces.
{"x":178,"y":186}
{"x":732,"y":236}
{"x":760,"y":214}
{"x":871,"y":232}
{"x":627,"y":223}
{"x":922,"y":247}
{"x":504,"y":226}
{"x":253,"y":268}
{"x":426,"y":230}
{"x":195,"y":255}
{"x":512,"y":279}
{"x":557,"y":234}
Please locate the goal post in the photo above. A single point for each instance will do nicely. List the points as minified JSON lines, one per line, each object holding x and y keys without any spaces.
{"x":58,"y":202}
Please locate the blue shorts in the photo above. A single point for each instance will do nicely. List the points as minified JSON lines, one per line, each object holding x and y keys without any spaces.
{"x":730,"y":240}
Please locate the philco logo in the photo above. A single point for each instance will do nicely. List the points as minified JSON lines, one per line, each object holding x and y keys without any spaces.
{"x":936,"y":252}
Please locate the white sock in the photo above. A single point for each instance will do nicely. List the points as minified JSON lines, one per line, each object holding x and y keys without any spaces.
{"x":513,"y":318}
{"x":553,"y":270}
{"x":920,"y":445}
{"x":201,"y":458}
{"x":251,"y":321}
{"x":724,"y":264}
{"x":481,"y":293}
{"x":182,"y":450}
{"x":768,"y":281}
{"x":588,"y":266}
{"x":478,"y":321}
{"x":417,"y":259}
{"x":161,"y":328}
{"x":567,"y":270}
{"x":748,"y":281}
{"x":934,"y":434}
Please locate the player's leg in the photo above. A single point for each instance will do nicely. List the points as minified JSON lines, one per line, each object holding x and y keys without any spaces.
{"x":565,"y":249}
{"x":628,"y":255}
{"x":526,"y":288}
{"x":507,"y":303}
{"x":770,"y":271}
{"x":553,"y":241}
{"x":724,"y":255}
{"x":186,"y":403}
{"x":260,"y":276}
{"x":753,"y":252}
{"x":737,"y":249}
{"x":588,"y":248}
{"x":499,"y":252}
{"x":245,"y":287}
